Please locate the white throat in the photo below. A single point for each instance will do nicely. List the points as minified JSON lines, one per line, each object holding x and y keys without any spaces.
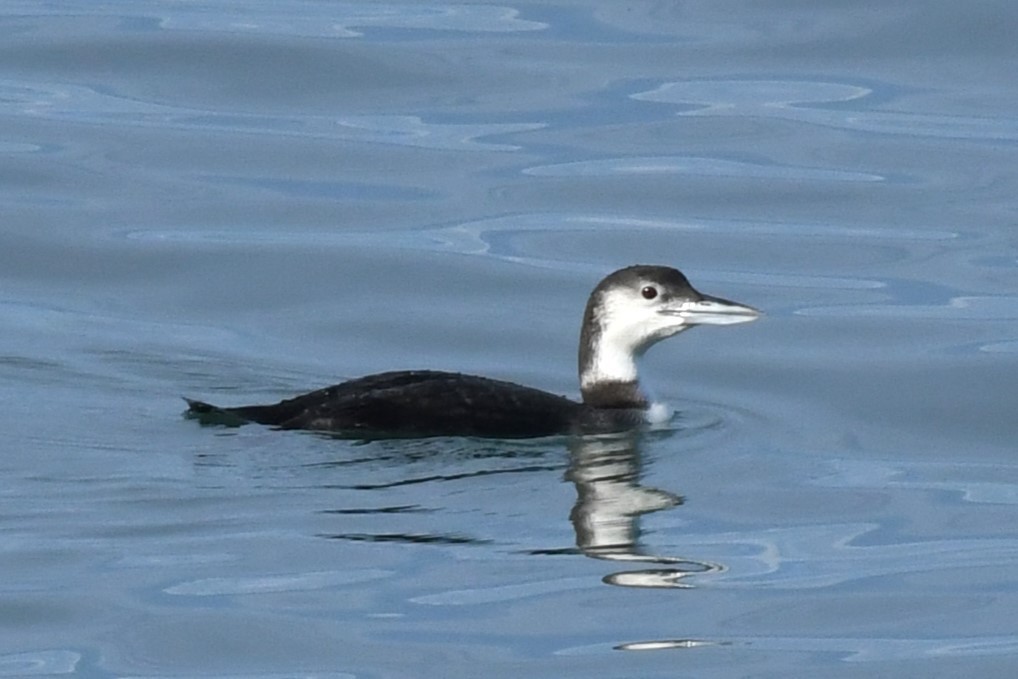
{"x":612,"y":360}
{"x":624,"y":336}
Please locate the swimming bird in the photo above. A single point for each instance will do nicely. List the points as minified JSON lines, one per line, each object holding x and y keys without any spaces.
{"x":628,"y":311}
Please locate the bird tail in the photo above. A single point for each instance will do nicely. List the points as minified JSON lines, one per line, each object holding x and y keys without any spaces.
{"x":206,"y":413}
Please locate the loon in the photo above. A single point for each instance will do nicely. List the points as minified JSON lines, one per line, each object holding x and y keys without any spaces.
{"x":628,"y":311}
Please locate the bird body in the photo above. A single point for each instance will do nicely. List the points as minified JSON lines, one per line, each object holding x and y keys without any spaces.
{"x":628,"y":311}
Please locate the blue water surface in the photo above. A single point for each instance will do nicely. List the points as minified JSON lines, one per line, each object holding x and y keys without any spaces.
{"x":242,"y":201}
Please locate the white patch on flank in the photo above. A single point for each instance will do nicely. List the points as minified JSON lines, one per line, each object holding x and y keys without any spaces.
{"x":659,"y":413}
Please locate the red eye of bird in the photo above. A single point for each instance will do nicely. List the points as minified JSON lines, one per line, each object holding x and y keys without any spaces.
{"x":649,"y":292}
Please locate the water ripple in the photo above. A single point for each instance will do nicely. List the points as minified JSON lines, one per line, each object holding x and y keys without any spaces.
{"x":81,"y":104}
{"x":981,"y":484}
{"x":343,"y":19}
{"x":505,"y":237}
{"x":860,"y":649}
{"x":514,"y":592}
{"x":249,"y":675}
{"x":294,"y":582}
{"x":973,"y":308}
{"x":820,"y":103}
{"x":689,"y":165}
{"x":808,"y":557}
{"x":37,"y":663}
{"x":298,"y":19}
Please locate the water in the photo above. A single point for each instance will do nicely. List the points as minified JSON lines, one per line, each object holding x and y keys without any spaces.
{"x":243,"y":201}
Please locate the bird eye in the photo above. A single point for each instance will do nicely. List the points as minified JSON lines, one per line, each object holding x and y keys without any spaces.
{"x":649,"y":292}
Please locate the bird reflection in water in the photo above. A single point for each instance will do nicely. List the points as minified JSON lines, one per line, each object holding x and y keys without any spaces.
{"x":605,"y":470}
{"x":609,"y":503}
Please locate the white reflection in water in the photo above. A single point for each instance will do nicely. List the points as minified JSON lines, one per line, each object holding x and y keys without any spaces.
{"x":39,"y":663}
{"x":967,"y":307}
{"x":292,"y":582}
{"x":820,"y":103}
{"x":863,"y":649}
{"x":295,"y":18}
{"x":514,"y":592}
{"x":689,"y":165}
{"x":81,"y":104}
{"x":343,"y":20}
{"x":252,"y":675}
{"x":806,"y":557}
{"x":503,"y":238}
{"x":412,"y":131}
{"x":666,"y":644}
{"x":962,"y":479}
{"x":1008,"y":347}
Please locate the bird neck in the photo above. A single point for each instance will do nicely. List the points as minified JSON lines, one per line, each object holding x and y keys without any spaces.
{"x":613,"y":394}
{"x":608,"y":372}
